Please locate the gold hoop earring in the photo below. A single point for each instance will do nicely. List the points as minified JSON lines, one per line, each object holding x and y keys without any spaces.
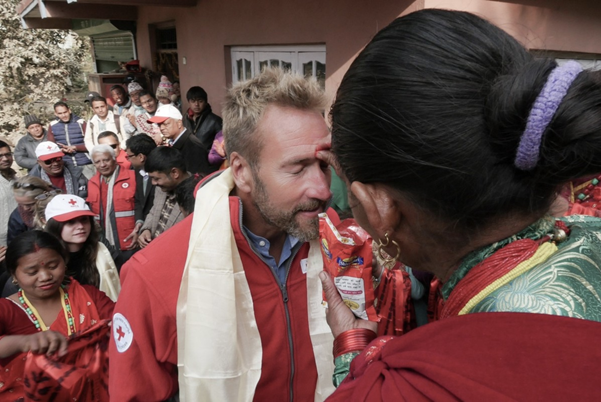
{"x":387,"y":260}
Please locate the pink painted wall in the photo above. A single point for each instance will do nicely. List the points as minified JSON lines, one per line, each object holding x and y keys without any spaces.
{"x":204,"y":31}
{"x":344,"y":26}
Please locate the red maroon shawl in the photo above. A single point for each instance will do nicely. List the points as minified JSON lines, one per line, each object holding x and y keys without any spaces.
{"x":481,"y":357}
{"x":79,"y":375}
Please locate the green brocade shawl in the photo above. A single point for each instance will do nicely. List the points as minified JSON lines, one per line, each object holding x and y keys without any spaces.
{"x":567,"y":284}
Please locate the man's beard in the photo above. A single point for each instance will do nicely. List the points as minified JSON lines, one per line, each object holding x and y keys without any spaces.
{"x":287,"y":220}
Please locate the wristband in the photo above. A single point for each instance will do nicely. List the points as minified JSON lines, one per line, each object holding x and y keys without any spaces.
{"x":353,"y":340}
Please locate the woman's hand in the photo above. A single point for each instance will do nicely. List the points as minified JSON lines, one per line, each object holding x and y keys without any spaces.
{"x":144,"y":238}
{"x":326,"y":155}
{"x":340,"y":318}
{"x":219,"y":148}
{"x":45,"y":342}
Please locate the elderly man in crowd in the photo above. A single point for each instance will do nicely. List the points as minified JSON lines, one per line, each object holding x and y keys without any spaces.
{"x":111,"y":197}
{"x":68,"y":132}
{"x":169,"y":119}
{"x":166,"y":168}
{"x":109,"y":138}
{"x":52,"y":169}
{"x":25,"y":149}
{"x":231,"y":295}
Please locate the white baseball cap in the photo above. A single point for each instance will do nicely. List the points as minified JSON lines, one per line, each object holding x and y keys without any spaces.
{"x":48,"y":150}
{"x":166,"y":112}
{"x":64,"y":207}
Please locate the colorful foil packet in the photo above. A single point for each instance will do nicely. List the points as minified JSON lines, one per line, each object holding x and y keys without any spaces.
{"x":347,"y":257}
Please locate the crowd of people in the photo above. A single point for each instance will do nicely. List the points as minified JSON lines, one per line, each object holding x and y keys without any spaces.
{"x":195,"y":241}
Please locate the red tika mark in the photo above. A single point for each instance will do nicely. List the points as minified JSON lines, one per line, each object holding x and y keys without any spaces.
{"x":72,"y":201}
{"x":121,"y":333}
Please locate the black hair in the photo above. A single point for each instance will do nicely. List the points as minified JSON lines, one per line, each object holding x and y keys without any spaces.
{"x":4,"y":144}
{"x":117,"y":86}
{"x":98,"y":99}
{"x":197,"y":93}
{"x":105,"y":134}
{"x":144,"y":93}
{"x":163,"y":159}
{"x":31,"y":242}
{"x":87,"y":272}
{"x":435,"y":106}
{"x":184,"y":193}
{"x":60,"y":103}
{"x":140,"y":144}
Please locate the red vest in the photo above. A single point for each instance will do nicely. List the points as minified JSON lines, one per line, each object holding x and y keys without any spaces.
{"x":124,"y":191}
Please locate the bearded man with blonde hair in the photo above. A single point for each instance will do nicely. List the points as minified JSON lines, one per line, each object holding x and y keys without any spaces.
{"x":237,"y":316}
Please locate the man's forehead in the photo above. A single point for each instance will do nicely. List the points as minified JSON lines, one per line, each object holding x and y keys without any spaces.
{"x":99,"y":156}
{"x":297,"y":132}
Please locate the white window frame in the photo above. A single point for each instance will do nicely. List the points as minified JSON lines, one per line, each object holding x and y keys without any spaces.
{"x":296,"y":55}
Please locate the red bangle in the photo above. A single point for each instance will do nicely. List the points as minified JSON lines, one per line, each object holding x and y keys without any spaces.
{"x":353,"y":340}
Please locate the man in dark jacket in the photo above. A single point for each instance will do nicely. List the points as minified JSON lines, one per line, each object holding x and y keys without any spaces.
{"x":52,"y":169}
{"x":25,"y":149}
{"x":138,"y":148}
{"x":169,"y":119}
{"x":200,"y":119}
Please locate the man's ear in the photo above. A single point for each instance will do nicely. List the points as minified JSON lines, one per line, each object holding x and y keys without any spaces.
{"x":379,"y":209}
{"x":175,"y":173}
{"x":242,"y":172}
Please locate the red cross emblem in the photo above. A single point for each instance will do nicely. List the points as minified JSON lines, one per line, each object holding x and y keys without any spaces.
{"x":49,"y":147}
{"x":72,"y":202}
{"x":121,"y":333}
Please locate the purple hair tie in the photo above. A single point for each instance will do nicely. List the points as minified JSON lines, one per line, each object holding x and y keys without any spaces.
{"x":542,"y":112}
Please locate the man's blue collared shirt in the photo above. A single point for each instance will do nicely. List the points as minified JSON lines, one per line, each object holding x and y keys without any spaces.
{"x":262,"y":245}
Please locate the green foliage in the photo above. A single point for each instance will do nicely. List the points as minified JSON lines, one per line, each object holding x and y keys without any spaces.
{"x":37,"y":67}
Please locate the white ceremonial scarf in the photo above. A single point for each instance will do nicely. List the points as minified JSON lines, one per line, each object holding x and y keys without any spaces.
{"x":219,"y":345}
{"x":109,"y":276}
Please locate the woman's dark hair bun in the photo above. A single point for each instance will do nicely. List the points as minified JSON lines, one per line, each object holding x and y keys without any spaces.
{"x":569,"y":144}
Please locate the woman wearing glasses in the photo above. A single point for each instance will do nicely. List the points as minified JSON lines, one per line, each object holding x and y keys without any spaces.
{"x":26,"y":191}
